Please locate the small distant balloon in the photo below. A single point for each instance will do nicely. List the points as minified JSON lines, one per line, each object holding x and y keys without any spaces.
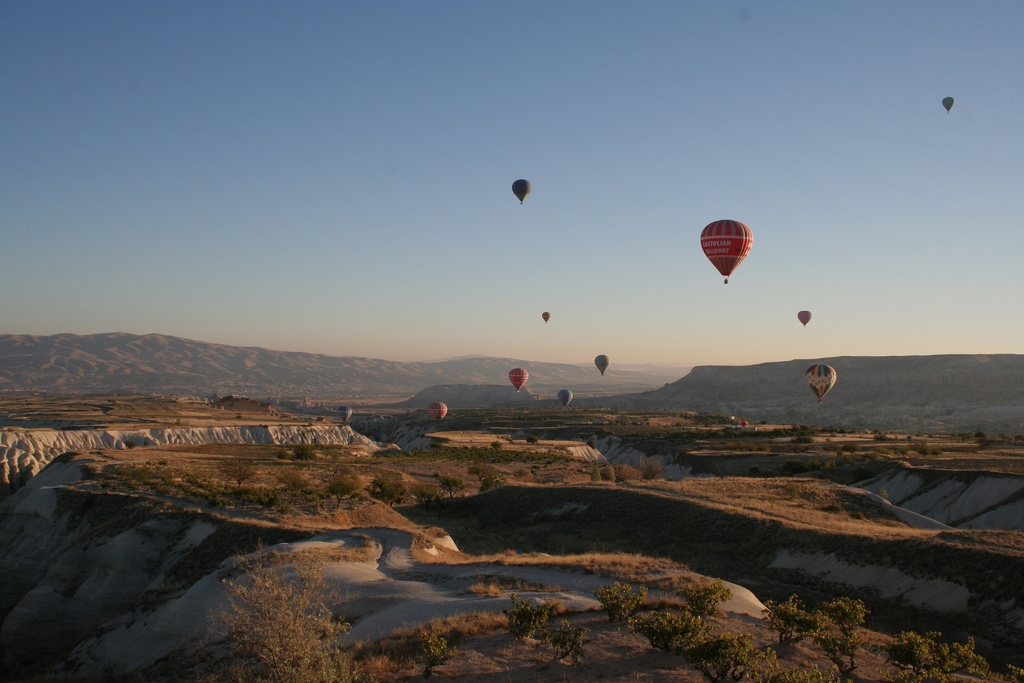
{"x":601,"y":362}
{"x":345,"y":412}
{"x":521,"y":188}
{"x":546,"y":316}
{"x":821,"y":378}
{"x":518,"y":377}
{"x":804,"y":317}
{"x":437,"y":410}
{"x":947,"y":102}
{"x":565,"y":396}
{"x":726,"y":243}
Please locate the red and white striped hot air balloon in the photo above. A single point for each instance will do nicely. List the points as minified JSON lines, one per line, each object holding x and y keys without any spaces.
{"x":726,"y":243}
{"x":437,"y":410}
{"x":518,"y":377}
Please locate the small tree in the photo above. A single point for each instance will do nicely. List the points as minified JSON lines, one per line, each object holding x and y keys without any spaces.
{"x":620,"y":600}
{"x":424,"y":493}
{"x":568,"y":641}
{"x":435,"y":650}
{"x":524,"y":619}
{"x":702,"y":598}
{"x":725,"y":655}
{"x":304,"y":451}
{"x":387,"y":490}
{"x":344,"y":486}
{"x":451,"y":484}
{"x":670,"y":631}
{"x":239,"y":470}
{"x":919,"y":658}
{"x":277,"y":622}
{"x":839,"y":633}
{"x":792,"y":622}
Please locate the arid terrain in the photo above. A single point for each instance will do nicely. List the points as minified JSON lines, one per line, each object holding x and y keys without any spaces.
{"x":127,"y":556}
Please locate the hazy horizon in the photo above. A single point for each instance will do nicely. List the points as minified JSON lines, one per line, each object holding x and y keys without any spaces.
{"x":335,"y":178}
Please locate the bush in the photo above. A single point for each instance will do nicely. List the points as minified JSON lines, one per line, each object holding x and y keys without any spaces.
{"x":627,"y":473}
{"x":568,"y":641}
{"x":344,"y":486}
{"x":919,"y":658}
{"x":260,"y":495}
{"x":278,"y":625}
{"x":435,"y":650}
{"x":496,"y":445}
{"x":669,"y":631}
{"x":790,"y":619}
{"x":424,"y":493}
{"x":532,"y":438}
{"x":524,"y":619}
{"x":724,"y":655}
{"x":702,"y":598}
{"x":387,"y":490}
{"x":451,"y":484}
{"x":839,"y":632}
{"x":620,"y":600}
{"x":304,"y":451}
{"x":239,"y":470}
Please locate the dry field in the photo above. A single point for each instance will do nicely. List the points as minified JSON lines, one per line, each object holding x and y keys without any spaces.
{"x":525,"y":502}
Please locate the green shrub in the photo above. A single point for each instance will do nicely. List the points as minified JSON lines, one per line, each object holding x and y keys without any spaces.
{"x":387,"y":490}
{"x":424,"y":493}
{"x":435,"y":650}
{"x":568,"y":641}
{"x":620,"y":600}
{"x":918,"y":658}
{"x":451,"y":484}
{"x":304,"y":451}
{"x":669,"y":631}
{"x":524,"y":619}
{"x":702,"y":598}
{"x":725,"y":655}
{"x":344,"y":486}
{"x":792,"y":622}
{"x":532,"y":438}
{"x":839,"y":633}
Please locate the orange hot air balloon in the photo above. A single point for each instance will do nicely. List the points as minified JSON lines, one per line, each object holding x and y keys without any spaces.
{"x":804,"y":317}
{"x":437,"y":410}
{"x":546,"y":316}
{"x":518,"y":377}
{"x":726,"y":243}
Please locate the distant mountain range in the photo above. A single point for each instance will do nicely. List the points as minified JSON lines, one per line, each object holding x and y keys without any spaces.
{"x":913,"y":393}
{"x":161,"y":364}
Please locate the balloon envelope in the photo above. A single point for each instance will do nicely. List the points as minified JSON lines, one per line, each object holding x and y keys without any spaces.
{"x":821,"y":378}
{"x":345,"y":412}
{"x":521,"y":188}
{"x":947,"y":102}
{"x":804,"y":317}
{"x":518,"y":377}
{"x":437,"y":410}
{"x":601,"y":362}
{"x":565,"y":396}
{"x":726,"y":243}
{"x":546,"y":316}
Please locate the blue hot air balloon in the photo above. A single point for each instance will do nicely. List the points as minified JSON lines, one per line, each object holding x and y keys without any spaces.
{"x":345,"y":412}
{"x":565,"y":396}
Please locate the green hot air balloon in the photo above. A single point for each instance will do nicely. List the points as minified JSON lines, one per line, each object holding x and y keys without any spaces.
{"x":947,"y":102}
{"x":521,"y":188}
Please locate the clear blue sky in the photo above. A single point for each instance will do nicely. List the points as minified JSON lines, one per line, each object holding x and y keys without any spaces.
{"x":335,"y":177}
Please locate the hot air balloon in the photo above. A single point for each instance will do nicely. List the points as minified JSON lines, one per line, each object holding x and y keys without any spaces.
{"x":345,"y":412}
{"x":518,"y":377}
{"x":521,"y":188}
{"x":437,"y":410}
{"x":947,"y":102}
{"x":726,"y":244}
{"x":565,"y":396}
{"x":601,"y":362}
{"x":804,"y":317}
{"x":546,"y":316}
{"x":821,"y":378}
